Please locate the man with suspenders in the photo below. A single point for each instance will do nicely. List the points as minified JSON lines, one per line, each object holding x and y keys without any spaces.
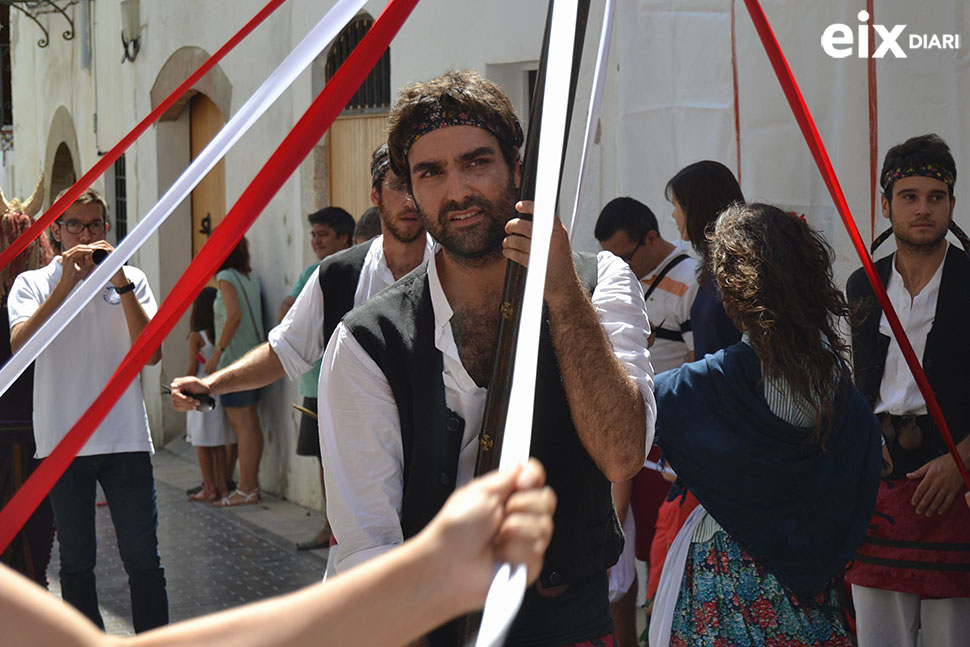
{"x":668,"y":274}
{"x":628,"y":228}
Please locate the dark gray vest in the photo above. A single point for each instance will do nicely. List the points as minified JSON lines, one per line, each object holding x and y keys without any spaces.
{"x":945,"y":358}
{"x":396,"y":328}
{"x":338,"y":279}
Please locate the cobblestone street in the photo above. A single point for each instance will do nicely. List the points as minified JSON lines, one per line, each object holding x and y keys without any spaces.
{"x":214,"y":558}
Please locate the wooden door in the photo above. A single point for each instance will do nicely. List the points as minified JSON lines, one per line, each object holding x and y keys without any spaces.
{"x":351,"y":141}
{"x":209,"y":196}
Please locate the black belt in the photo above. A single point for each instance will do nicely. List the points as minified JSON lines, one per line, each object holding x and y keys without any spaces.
{"x":913,"y":440}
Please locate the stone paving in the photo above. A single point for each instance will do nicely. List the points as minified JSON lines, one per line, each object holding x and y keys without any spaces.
{"x":214,"y":558}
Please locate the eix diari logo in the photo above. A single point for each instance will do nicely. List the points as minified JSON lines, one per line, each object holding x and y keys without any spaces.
{"x":838,"y":40}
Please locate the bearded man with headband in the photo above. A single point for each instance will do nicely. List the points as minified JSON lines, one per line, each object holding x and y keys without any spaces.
{"x":408,"y":371}
{"x":911,"y":577}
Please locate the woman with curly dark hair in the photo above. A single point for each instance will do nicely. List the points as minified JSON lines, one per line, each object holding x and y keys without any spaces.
{"x":698,"y":193}
{"x":773,"y":439}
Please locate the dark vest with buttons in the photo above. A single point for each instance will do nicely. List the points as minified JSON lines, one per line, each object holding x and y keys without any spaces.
{"x":945,"y":358}
{"x":338,"y":279}
{"x":396,"y":328}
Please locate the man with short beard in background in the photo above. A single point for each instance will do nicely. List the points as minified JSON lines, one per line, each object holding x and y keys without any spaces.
{"x":341,"y":282}
{"x":911,"y":578}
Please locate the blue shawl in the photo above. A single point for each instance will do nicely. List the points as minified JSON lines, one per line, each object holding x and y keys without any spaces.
{"x":801,"y":512}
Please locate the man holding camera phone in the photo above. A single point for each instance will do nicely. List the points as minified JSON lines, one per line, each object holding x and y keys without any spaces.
{"x":68,"y":376}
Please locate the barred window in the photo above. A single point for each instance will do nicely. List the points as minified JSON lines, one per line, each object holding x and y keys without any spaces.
{"x":375,"y":94}
{"x":121,"y":200}
{"x":6,"y":100}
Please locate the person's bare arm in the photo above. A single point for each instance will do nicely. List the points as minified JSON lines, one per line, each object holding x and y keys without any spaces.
{"x":622,"y":492}
{"x":254,"y":370}
{"x":135,"y":315}
{"x":442,"y":572}
{"x":195,"y":345}
{"x":606,"y":404}
{"x":76,"y":264}
{"x":285,"y":306}
{"x":233,"y":319}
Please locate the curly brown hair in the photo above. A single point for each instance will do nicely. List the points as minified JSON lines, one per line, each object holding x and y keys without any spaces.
{"x":459,"y":92}
{"x":774,"y":273}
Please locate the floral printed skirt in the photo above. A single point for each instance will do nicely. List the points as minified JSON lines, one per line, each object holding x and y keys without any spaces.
{"x":728,"y":600}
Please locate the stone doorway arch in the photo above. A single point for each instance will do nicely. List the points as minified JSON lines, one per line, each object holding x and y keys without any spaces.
{"x":61,"y":162}
{"x":173,"y":146}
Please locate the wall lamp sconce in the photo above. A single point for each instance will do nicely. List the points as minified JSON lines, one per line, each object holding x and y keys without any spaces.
{"x":130,"y":30}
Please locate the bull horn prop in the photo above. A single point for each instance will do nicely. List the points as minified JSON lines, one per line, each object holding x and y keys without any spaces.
{"x":36,"y":199}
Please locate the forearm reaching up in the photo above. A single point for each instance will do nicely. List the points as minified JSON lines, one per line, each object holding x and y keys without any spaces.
{"x":609,"y":408}
{"x":442,"y":572}
{"x":606,"y":404}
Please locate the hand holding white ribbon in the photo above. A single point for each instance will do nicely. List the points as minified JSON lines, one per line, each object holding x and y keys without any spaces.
{"x":508,"y":586}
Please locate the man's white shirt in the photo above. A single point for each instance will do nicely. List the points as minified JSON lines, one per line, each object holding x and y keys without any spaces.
{"x":898,"y":393}
{"x":360,"y":434}
{"x":298,"y":340}
{"x":74,"y":369}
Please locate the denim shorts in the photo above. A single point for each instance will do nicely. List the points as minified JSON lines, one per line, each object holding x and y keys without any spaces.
{"x":240,"y":398}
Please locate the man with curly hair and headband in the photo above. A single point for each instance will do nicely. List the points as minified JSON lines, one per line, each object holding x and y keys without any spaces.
{"x":911,"y":579}
{"x":406,"y":375}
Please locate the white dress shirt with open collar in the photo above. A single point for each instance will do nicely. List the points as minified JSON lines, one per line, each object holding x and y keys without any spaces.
{"x":898,"y":393}
{"x":297,"y":340}
{"x":360,"y":435}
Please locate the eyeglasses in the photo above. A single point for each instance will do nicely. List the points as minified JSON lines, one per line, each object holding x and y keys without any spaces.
{"x":629,"y":257}
{"x":76,"y":227}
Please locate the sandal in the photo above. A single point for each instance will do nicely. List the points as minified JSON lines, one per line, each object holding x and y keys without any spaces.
{"x":245,"y":498}
{"x":202,"y":495}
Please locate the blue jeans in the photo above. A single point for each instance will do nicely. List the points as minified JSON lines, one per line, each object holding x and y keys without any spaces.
{"x":129,"y":486}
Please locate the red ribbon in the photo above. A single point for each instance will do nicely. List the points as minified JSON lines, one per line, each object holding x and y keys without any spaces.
{"x":294,"y":148}
{"x":814,"y":141}
{"x":112,"y":156}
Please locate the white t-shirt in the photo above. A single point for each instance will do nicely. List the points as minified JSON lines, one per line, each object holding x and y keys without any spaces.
{"x":669,"y":309}
{"x":74,"y":369}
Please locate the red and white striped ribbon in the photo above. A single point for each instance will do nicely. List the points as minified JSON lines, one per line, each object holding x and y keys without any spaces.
{"x":267,"y":93}
{"x":287,"y":157}
{"x":112,"y":155}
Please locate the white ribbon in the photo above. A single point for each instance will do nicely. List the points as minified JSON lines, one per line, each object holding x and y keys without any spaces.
{"x":596,"y":100}
{"x":508,"y":586}
{"x":267,"y":93}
